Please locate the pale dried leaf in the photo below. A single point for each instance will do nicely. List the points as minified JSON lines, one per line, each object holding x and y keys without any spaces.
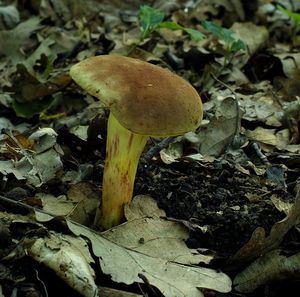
{"x":127,"y":266}
{"x":272,"y":267}
{"x":85,"y":198}
{"x":69,"y":257}
{"x":172,"y":153}
{"x":44,"y":139}
{"x":216,"y":136}
{"x":57,"y":206}
{"x":151,"y":235}
{"x":8,"y":166}
{"x":262,"y":107}
{"x":269,"y":138}
{"x":281,"y":205}
{"x":10,"y":16}
{"x":12,"y":40}
{"x":141,"y":207}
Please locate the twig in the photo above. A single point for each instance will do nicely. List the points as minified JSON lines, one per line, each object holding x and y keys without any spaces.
{"x":260,"y":154}
{"x":26,"y":206}
{"x":157,"y":148}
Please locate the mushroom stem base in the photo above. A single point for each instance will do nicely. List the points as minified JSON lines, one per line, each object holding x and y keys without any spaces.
{"x":123,"y":151}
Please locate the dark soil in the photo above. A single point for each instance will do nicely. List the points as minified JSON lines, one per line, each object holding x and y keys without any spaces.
{"x":213,"y":196}
{"x":219,"y":204}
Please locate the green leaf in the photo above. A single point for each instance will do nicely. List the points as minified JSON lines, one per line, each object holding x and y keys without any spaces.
{"x":293,"y":15}
{"x":149,"y":19}
{"x":220,"y":32}
{"x":28,"y":110}
{"x":225,"y":35}
{"x":238,"y":45}
{"x":170,"y":25}
{"x":195,"y":34}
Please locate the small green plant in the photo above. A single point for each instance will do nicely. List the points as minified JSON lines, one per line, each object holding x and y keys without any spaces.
{"x":233,"y":45}
{"x":296,"y":19}
{"x":152,"y":19}
{"x":293,"y":15}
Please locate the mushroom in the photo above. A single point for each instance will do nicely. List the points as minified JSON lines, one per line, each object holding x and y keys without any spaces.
{"x":144,"y":100}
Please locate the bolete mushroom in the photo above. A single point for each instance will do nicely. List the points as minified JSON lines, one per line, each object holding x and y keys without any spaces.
{"x":144,"y":100}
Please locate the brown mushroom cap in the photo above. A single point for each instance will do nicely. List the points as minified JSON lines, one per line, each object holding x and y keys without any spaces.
{"x":146,"y":99}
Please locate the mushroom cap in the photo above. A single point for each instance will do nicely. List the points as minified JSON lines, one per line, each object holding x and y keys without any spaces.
{"x":146,"y":99}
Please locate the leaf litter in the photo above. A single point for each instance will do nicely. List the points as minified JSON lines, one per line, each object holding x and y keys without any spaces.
{"x":228,"y":189}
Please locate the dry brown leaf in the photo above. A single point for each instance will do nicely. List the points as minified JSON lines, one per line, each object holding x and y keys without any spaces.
{"x":172,"y":279}
{"x":270,"y":268}
{"x":260,"y":244}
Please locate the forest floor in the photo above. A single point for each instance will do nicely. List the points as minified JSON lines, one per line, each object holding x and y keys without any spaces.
{"x":215,"y":211}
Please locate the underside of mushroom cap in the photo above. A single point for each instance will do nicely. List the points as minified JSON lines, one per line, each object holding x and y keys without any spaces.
{"x":146,"y":99}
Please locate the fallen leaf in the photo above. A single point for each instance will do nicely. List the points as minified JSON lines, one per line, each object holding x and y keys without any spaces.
{"x":261,"y":107}
{"x":85,"y":197}
{"x":151,"y":235}
{"x":216,"y":136}
{"x":143,"y":206}
{"x":172,"y":279}
{"x":56,"y":206}
{"x":172,"y":153}
{"x":269,"y":138}
{"x":9,"y":16}
{"x":281,"y":205}
{"x":44,"y":138}
{"x":259,"y":243}
{"x":69,"y":257}
{"x":271,"y":267}
{"x":11,"y":41}
{"x":8,"y":167}
{"x":36,"y":169}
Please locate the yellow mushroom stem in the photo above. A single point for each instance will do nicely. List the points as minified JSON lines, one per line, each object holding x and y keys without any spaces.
{"x":123,"y":151}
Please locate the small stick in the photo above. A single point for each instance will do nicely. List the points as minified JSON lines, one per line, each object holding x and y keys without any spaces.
{"x":157,"y":148}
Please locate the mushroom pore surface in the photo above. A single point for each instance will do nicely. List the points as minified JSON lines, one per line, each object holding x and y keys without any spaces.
{"x":146,"y":99}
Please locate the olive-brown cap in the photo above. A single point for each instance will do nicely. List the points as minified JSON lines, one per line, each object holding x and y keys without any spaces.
{"x":146,"y":99}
